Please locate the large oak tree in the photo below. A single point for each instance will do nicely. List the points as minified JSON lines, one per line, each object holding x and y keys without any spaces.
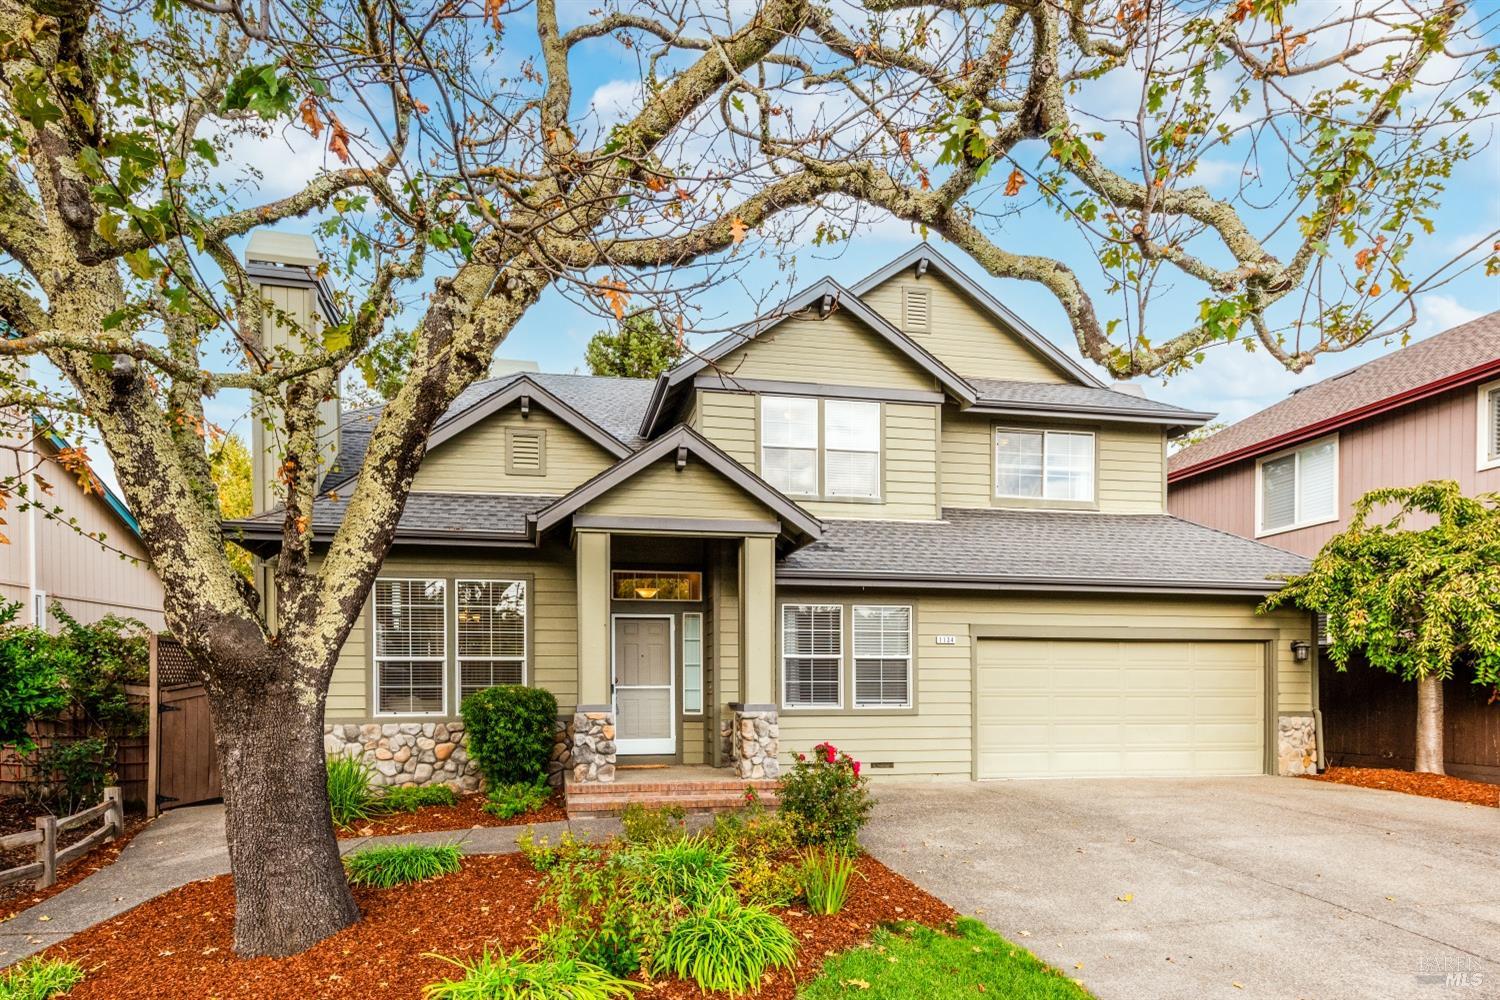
{"x":464,"y":177}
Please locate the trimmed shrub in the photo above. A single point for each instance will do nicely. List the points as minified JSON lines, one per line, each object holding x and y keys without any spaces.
{"x":510,"y":730}
{"x":513,"y":977}
{"x":384,"y":867}
{"x":39,"y":979}
{"x":351,"y":798}
{"x":414,"y":797}
{"x":825,"y":799}
{"x":726,"y":946}
{"x":507,"y":801}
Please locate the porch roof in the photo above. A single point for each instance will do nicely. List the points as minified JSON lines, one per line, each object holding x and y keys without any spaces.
{"x":431,"y":518}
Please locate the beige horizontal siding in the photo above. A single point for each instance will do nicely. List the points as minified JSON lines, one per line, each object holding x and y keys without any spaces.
{"x":662,"y":491}
{"x":1130,"y":462}
{"x":728,"y":420}
{"x":473,"y":461}
{"x":837,"y":350}
{"x":962,"y":336}
{"x":937,"y":738}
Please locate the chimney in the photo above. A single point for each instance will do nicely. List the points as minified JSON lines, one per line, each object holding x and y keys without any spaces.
{"x":284,"y":267}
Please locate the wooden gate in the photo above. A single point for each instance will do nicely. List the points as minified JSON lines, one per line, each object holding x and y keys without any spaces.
{"x":187,"y":763}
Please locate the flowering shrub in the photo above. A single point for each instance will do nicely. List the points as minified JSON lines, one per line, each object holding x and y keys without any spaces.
{"x":825,"y":799}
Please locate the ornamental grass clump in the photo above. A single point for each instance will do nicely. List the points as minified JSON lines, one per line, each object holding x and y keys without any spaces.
{"x":351,"y":796}
{"x":726,"y":946}
{"x":414,"y":797}
{"x":501,"y":976}
{"x":384,"y":867}
{"x":825,"y":800}
{"x":686,"y":873}
{"x":826,"y":875}
{"x":39,"y":979}
{"x":518,"y":798}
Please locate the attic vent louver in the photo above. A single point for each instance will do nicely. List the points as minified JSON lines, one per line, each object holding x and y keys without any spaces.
{"x":525,"y":452}
{"x":916,"y":310}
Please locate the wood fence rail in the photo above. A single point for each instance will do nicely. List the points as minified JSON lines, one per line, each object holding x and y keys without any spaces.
{"x":48,"y":856}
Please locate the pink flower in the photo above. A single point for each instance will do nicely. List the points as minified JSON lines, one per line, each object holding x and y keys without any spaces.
{"x":802,"y":756}
{"x":856,"y":768}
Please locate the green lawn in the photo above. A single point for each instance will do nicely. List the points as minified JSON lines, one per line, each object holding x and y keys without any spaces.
{"x":914,"y":961}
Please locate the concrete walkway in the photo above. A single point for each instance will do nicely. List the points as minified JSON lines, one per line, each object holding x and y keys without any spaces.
{"x":1200,"y":889}
{"x":186,"y":845}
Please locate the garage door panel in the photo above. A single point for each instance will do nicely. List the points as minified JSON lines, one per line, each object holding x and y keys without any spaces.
{"x":1064,"y":708}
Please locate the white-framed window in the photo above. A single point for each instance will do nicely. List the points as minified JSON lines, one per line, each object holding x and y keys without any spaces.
{"x":1297,"y":488}
{"x":851,"y":448}
{"x":812,"y":655}
{"x":490,"y":634}
{"x":1044,"y":465}
{"x":821,"y":448}
{"x":789,"y":444}
{"x":882,"y":656}
{"x":692,"y":663}
{"x":411,"y":646}
{"x":1489,"y":425}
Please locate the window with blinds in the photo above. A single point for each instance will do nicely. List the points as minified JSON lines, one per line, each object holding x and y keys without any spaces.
{"x":789,"y":444}
{"x":882,"y":656}
{"x":796,"y":432}
{"x":526,"y":452}
{"x":851,"y":448}
{"x":1299,"y":488}
{"x":916,"y":310}
{"x":411,"y":646}
{"x":1489,"y":425}
{"x":1050,"y":465}
{"x":812,"y":655}
{"x":491,"y":634}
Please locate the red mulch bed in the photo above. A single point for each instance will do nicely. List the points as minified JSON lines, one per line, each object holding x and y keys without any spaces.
{"x":1434,"y":786}
{"x":179,"y":945}
{"x":465,"y":815}
{"x":16,"y":816}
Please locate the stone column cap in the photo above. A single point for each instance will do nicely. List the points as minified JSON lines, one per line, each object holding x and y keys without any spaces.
{"x":585,"y":709}
{"x":740,"y":707}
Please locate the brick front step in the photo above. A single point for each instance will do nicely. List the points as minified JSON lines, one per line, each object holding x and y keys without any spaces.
{"x":714,"y":795}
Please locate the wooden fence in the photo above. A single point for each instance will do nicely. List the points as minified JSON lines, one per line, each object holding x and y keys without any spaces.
{"x":49,"y":858}
{"x":18,"y":776}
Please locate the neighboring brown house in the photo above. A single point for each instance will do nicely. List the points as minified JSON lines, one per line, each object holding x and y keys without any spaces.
{"x":1289,"y":475}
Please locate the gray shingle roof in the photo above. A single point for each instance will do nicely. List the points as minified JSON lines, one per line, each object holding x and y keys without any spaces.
{"x":615,"y":404}
{"x":1451,"y":353}
{"x":1018,"y":547}
{"x":476,"y":514}
{"x":1084,"y":398}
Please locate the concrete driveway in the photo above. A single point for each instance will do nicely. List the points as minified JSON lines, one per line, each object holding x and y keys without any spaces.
{"x":1157,"y":889}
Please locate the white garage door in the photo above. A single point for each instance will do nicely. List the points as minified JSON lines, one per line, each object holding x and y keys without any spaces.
{"x":1076,"y":708}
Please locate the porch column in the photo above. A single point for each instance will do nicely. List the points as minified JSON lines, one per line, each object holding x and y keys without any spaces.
{"x":758,"y":617}
{"x":592,"y":584}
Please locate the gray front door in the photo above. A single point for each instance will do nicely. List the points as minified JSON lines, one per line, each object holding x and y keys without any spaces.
{"x":645,"y":699}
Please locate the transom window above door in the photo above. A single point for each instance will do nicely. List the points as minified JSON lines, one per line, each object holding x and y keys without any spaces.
{"x":828,"y":448}
{"x":1044,"y":465}
{"x":1298,"y":488}
{"x":653,"y":585}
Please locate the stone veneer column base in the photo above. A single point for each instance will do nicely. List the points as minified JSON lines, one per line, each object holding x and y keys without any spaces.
{"x":755,"y":738}
{"x":406,"y":753}
{"x":593,"y":758}
{"x":561,"y":762}
{"x":1296,"y":745}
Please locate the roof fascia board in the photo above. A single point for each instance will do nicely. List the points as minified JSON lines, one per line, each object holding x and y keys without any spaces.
{"x":1319,"y":428}
{"x":811,"y":578}
{"x":982,"y":298}
{"x":728,"y":383}
{"x":510,"y":393}
{"x":708,"y":453}
{"x":1085,"y":412}
{"x":112,"y":500}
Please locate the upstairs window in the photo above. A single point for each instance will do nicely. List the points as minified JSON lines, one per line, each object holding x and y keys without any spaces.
{"x":821,"y":448}
{"x":1299,"y":488}
{"x":411,"y":646}
{"x":1044,"y":465}
{"x":1489,"y":425}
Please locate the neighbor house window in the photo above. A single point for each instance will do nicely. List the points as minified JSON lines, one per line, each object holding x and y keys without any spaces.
{"x":692,"y":663}
{"x":795,"y":431}
{"x":1298,"y":488}
{"x":491,"y":634}
{"x":882,"y":656}
{"x":1489,"y":425}
{"x":1044,"y":465}
{"x":812,"y":655}
{"x":411,"y":646}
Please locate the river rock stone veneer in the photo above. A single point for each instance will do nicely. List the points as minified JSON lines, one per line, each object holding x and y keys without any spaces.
{"x":1296,"y":745}
{"x":593,"y":759}
{"x":407,"y":753}
{"x":756,"y":739}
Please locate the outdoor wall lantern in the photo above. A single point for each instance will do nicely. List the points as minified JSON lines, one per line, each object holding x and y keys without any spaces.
{"x":1300,"y":650}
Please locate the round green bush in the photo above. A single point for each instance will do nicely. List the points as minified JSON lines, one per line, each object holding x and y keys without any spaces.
{"x":510,"y":729}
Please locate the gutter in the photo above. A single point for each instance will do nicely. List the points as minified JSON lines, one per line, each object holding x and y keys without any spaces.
{"x":1327,"y":424}
{"x":814,"y":578}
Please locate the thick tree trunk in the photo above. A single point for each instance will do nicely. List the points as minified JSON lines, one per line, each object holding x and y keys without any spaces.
{"x":290,"y":889}
{"x":1430,"y":725}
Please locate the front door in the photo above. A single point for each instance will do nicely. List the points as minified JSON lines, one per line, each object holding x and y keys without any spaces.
{"x":645,"y":702}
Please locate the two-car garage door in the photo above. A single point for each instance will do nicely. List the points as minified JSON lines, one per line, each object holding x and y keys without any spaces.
{"x":1086,"y":708}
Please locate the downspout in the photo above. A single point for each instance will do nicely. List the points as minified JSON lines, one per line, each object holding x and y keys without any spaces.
{"x":1317,"y":696}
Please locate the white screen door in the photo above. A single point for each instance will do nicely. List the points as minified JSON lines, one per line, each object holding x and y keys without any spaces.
{"x":645,"y":702}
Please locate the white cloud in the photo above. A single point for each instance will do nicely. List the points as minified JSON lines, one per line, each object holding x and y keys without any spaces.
{"x":1436,"y":313}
